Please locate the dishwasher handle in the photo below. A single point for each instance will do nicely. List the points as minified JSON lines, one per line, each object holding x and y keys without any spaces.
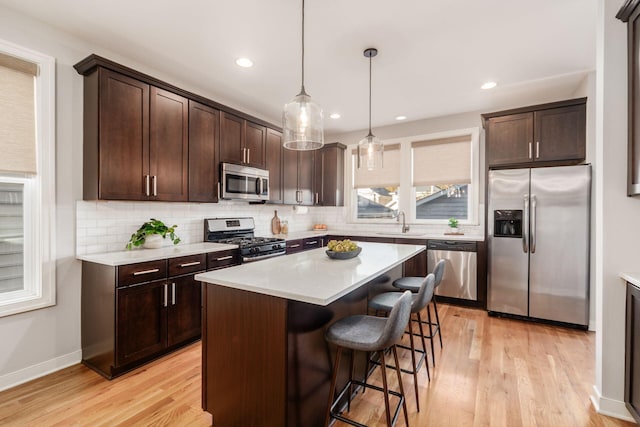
{"x":452,"y":245}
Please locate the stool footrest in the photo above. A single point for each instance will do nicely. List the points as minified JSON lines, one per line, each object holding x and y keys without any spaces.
{"x":363,"y":385}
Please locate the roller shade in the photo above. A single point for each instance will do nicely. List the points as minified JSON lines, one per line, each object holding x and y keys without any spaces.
{"x":442,"y":161}
{"x":17,"y":115}
{"x":388,"y":176}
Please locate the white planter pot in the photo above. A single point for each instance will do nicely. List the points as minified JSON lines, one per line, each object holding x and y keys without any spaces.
{"x":153,"y":241}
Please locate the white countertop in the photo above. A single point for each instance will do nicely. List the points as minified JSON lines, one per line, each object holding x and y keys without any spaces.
{"x":633,"y":278}
{"x":312,"y":276}
{"x":142,"y":255}
{"x":390,"y":235}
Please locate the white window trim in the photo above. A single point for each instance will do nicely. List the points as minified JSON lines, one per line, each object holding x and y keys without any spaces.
{"x":39,"y":246}
{"x":407,"y":195}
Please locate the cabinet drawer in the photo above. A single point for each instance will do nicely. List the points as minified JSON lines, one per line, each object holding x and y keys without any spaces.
{"x":221,"y":259}
{"x":312,"y":243}
{"x":187,"y":264}
{"x":294,"y":246}
{"x":141,"y":272}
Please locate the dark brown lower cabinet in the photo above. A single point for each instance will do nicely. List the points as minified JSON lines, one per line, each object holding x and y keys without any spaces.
{"x":184,"y":313}
{"x":142,"y":321}
{"x":632,"y":353}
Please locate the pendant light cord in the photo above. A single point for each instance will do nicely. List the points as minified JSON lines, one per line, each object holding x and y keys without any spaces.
{"x":370,"y":134}
{"x":302,"y":91}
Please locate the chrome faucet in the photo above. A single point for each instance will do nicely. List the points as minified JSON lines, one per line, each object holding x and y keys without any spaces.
{"x":405,"y":227}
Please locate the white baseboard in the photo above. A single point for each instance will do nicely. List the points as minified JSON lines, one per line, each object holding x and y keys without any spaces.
{"x":610,"y":407}
{"x":29,"y":373}
{"x":592,"y":325}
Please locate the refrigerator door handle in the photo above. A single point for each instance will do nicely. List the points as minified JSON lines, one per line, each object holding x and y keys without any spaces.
{"x":525,"y":231}
{"x":533,"y":223}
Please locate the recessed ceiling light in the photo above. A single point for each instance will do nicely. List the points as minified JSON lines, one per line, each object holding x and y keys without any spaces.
{"x":489,"y":85}
{"x":335,"y":116}
{"x":401,"y":117}
{"x":244,"y":62}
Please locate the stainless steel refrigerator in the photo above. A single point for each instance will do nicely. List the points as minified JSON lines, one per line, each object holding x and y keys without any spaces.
{"x":538,"y":236}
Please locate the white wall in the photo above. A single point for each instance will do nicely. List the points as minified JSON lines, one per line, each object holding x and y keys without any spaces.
{"x":617,"y":231}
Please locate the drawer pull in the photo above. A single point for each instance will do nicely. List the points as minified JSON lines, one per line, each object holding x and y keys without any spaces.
{"x":315,"y":242}
{"x":189,"y":264}
{"x":294,"y":246}
{"x":139,"y":273}
{"x":224,"y":258}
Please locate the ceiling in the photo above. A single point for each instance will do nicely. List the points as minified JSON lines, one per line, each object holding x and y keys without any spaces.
{"x":433,"y":54}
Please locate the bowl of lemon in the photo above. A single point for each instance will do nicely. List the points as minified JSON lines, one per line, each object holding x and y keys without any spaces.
{"x":342,"y":249}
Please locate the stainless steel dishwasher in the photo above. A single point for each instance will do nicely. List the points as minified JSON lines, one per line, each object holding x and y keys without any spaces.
{"x":460,"y":279}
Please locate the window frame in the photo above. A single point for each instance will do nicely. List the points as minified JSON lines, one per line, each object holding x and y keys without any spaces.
{"x":39,"y":195}
{"x":406,"y":190}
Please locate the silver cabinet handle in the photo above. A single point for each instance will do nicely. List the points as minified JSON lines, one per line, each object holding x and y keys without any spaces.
{"x":525,"y":231}
{"x":146,"y":185}
{"x":294,"y":246}
{"x":189,"y":264}
{"x":218,"y":189}
{"x":530,"y":154}
{"x":224,"y":258}
{"x":534,"y":202}
{"x":248,"y":155}
{"x":317,"y":198}
{"x":537,"y":149}
{"x":244,"y":155}
{"x":155,"y":185}
{"x":315,"y":242}
{"x":139,"y":273}
{"x":173,"y":293}
{"x":165,"y":296}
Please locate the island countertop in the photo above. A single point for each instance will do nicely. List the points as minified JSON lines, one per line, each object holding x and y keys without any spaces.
{"x":311,"y":276}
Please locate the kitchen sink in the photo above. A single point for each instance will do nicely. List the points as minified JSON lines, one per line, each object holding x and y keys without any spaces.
{"x":401,"y":234}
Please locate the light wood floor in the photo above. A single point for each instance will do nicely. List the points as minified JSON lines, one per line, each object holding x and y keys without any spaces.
{"x":491,"y":372}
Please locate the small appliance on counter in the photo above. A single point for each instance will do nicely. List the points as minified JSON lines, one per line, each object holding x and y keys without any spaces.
{"x":240,"y":231}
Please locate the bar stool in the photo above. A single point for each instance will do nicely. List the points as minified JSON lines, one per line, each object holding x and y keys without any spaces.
{"x":413,"y":284}
{"x":369,"y":334}
{"x":385,"y":301}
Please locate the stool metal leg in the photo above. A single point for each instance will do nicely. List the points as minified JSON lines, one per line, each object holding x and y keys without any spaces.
{"x":385,"y":387}
{"x":413,"y":362}
{"x":424,"y":346}
{"x":431,"y":336}
{"x":439,"y":327}
{"x":332,"y":389}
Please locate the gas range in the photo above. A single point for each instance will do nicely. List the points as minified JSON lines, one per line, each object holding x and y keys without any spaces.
{"x":239,"y":231}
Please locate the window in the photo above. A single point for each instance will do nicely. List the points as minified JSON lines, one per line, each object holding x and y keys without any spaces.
{"x":27,"y":179}
{"x":429,"y":177}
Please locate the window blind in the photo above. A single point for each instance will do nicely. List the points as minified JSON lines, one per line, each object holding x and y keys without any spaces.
{"x":17,"y":115}
{"x":387,"y":176}
{"x":442,"y":161}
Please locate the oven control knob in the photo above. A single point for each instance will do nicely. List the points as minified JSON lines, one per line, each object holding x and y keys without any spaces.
{"x":275,"y":247}
{"x":255,"y":250}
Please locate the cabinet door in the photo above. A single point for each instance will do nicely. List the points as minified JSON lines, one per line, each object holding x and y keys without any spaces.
{"x":141,"y":321}
{"x":417,"y":265}
{"x":329,"y":175}
{"x":184,"y":316}
{"x":312,"y":243}
{"x":124,"y":137}
{"x":203,"y":164}
{"x":255,"y":144}
{"x":632,"y":352}
{"x":290,"y":176}
{"x":232,"y":135}
{"x":169,"y":146}
{"x":510,"y":139}
{"x":294,"y":246}
{"x":560,"y":133}
{"x":305,"y":178}
{"x":273,"y":162}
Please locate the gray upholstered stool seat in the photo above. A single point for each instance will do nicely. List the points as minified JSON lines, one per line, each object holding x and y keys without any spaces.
{"x":385,"y":302}
{"x":413,"y":284}
{"x":370,"y":334}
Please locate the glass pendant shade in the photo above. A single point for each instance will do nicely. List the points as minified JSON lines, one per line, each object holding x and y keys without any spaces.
{"x":303,"y":124}
{"x":370,"y":152}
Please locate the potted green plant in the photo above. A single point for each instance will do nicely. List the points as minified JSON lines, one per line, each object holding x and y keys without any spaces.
{"x":453,"y":224}
{"x":151,"y":234}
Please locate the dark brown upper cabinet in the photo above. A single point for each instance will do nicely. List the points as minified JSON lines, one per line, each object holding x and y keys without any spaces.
{"x":204,"y":124}
{"x":136,"y":140}
{"x":241,"y":141}
{"x":329,"y":175}
{"x":629,"y":13}
{"x":298,"y":177}
{"x":541,"y":135}
{"x":273,"y":163}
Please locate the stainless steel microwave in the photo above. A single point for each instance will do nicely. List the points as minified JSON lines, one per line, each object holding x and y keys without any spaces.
{"x":244,"y":182}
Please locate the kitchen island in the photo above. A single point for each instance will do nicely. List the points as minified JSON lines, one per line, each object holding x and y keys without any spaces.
{"x":265,"y":360}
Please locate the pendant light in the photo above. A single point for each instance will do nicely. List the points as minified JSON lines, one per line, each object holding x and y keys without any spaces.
{"x":302,"y":118}
{"x":370,"y":148}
